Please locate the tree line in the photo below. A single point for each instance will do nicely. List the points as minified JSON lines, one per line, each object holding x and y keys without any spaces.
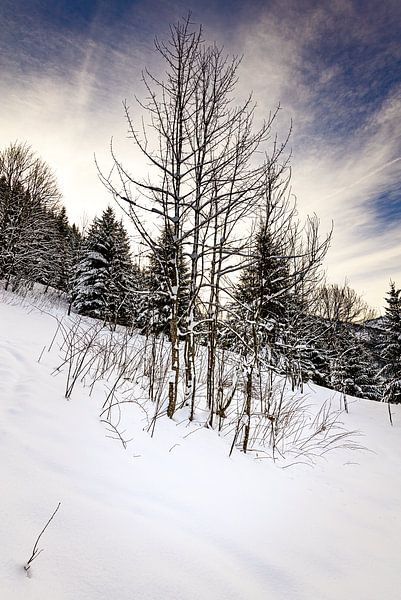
{"x":304,"y":330}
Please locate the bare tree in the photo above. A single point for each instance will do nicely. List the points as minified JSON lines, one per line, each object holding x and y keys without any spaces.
{"x":28,"y":195}
{"x":20,"y":166}
{"x":342,"y":304}
{"x":208,"y":174}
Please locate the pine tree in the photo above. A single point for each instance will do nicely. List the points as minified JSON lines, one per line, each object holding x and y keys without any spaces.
{"x":262,"y":296}
{"x":362,"y":376}
{"x":75,"y":240}
{"x":353,"y":368}
{"x":390,"y":352}
{"x":305,"y":353}
{"x":102,"y":286}
{"x":160,"y":277}
{"x":63,"y":250}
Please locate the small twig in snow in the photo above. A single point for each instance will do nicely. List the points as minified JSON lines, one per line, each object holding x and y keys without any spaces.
{"x":35,"y":551}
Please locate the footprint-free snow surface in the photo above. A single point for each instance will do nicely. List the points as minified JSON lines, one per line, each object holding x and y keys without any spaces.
{"x":173,"y":517}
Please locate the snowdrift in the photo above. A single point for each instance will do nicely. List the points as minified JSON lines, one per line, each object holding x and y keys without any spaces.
{"x":173,"y":517}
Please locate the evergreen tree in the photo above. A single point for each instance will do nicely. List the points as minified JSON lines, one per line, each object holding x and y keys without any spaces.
{"x":262,"y":297}
{"x":160,"y":278}
{"x":305,"y":352}
{"x":353,"y":371}
{"x":74,"y":244}
{"x":390,"y":351}
{"x":362,"y":376}
{"x":103,"y":285}
{"x":63,"y":250}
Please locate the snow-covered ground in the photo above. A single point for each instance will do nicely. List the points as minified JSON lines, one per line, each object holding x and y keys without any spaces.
{"x":173,"y":517}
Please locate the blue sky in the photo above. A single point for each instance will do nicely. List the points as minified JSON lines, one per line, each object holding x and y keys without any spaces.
{"x":335,"y":67}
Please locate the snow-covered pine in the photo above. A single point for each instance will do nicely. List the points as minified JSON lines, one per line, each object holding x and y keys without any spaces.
{"x":262,"y":294}
{"x":102,"y":284}
{"x":160,"y":278}
{"x":67,"y":242}
{"x":390,"y":351}
{"x":353,"y":370}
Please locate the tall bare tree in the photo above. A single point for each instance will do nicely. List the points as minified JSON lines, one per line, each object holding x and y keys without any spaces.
{"x":208,"y":173}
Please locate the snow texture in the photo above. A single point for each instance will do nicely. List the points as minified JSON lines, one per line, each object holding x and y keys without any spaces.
{"x":173,"y":517}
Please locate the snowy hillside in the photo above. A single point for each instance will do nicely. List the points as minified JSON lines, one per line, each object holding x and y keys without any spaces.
{"x":173,"y":517}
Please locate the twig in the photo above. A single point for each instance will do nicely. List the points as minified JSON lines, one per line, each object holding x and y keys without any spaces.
{"x":35,"y":551}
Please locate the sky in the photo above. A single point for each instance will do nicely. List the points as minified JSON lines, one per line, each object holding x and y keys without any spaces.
{"x":333,"y":65}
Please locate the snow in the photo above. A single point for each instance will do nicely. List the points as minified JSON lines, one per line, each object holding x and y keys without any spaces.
{"x":172,"y":517}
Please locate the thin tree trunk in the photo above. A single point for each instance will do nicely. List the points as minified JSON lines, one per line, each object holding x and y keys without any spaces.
{"x":248,"y":407}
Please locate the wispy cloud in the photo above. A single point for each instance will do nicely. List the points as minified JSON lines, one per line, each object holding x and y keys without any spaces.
{"x":332,"y":65}
{"x":334,"y":71}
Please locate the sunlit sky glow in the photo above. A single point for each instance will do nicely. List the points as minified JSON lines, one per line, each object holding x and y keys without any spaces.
{"x":334,"y":66}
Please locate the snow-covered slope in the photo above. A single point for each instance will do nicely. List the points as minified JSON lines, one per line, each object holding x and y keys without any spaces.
{"x":173,"y":517}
